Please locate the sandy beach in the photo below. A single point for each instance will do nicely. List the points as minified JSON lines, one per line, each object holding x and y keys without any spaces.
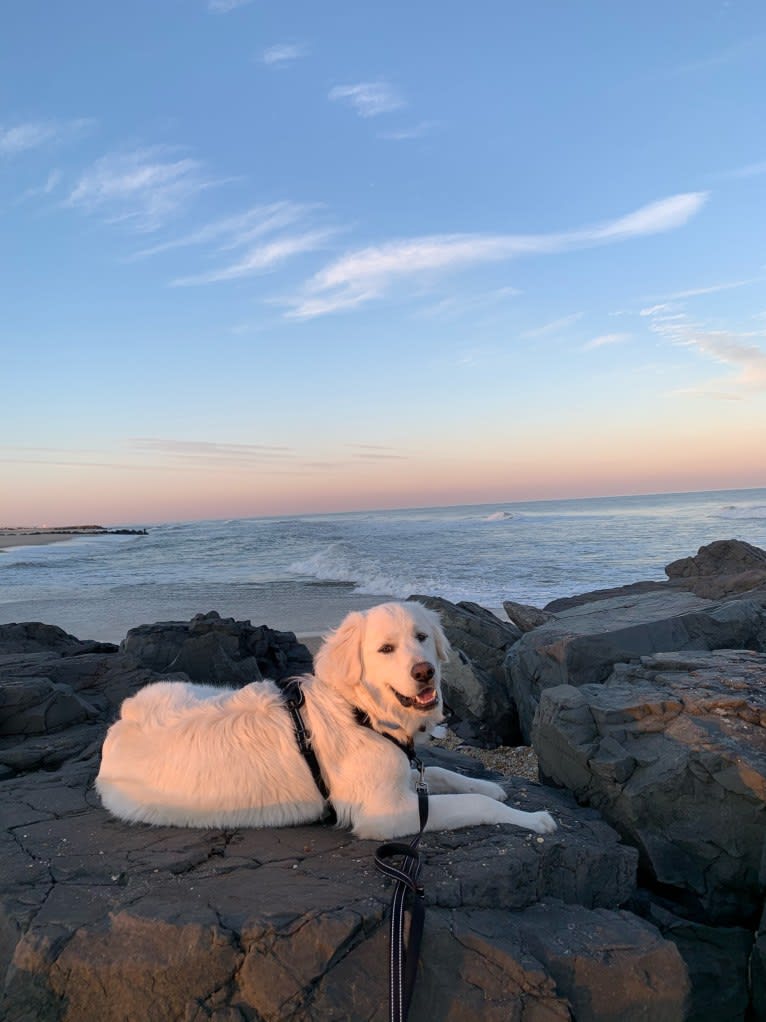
{"x":15,"y":537}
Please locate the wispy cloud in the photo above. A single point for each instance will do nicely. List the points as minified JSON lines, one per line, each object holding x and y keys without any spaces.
{"x":470,"y":304}
{"x":266,"y":237}
{"x":729,"y":349}
{"x":652,"y":310}
{"x":282,"y":54}
{"x":143,"y":187}
{"x":50,"y":184}
{"x":368,"y":273}
{"x":709,"y":289}
{"x":239,"y":229}
{"x":753,"y":44}
{"x":405,"y":134}
{"x":554,"y":326}
{"x":375,"y":452}
{"x":261,"y":258}
{"x":603,"y":340}
{"x":738,"y":351}
{"x":224,"y":6}
{"x":368,"y":99}
{"x":35,"y":134}
{"x":655,"y":217}
{"x":206,"y":452}
{"x":749,"y":170}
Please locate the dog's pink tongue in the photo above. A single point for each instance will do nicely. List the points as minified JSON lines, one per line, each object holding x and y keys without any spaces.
{"x":426,"y":696}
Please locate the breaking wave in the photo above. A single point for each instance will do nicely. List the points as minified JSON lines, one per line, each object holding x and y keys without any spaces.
{"x":754,"y":512}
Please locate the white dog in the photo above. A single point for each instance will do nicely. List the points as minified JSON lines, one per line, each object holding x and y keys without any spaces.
{"x":198,"y":756}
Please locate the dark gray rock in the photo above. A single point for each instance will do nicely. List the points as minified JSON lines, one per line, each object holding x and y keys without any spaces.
{"x":35,"y":637}
{"x":716,"y":957}
{"x":102,"y":920}
{"x":474,"y":681}
{"x":582,"y":645}
{"x":217,"y":651}
{"x":598,"y":946}
{"x":673,"y":752}
{"x":724,"y":568}
{"x":720,"y":569}
{"x":617,"y":592}
{"x":758,"y":971}
{"x":524,"y":616}
{"x":54,"y":705}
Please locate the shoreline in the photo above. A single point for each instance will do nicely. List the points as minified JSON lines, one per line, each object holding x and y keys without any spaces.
{"x":21,"y":536}
{"x":8,"y":540}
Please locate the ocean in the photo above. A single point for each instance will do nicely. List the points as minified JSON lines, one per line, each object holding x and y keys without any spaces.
{"x":303,"y":573}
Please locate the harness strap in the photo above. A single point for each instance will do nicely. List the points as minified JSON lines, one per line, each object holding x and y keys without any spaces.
{"x":408,"y":747}
{"x":404,"y":957}
{"x":292,"y":693}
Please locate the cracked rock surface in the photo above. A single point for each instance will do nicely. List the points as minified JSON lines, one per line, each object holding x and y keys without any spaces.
{"x":673,"y":751}
{"x":104,"y":921}
{"x":581,"y":646}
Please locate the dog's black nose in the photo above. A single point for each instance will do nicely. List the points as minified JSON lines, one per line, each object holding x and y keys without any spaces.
{"x":423,"y":672}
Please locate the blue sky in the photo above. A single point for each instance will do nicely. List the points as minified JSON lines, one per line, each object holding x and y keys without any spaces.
{"x":262,"y":258}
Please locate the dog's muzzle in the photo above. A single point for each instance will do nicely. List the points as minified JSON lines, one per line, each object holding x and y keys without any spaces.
{"x":425,"y":700}
{"x":427,"y":697}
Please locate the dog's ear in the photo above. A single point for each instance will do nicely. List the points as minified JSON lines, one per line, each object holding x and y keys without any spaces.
{"x":443,"y":648}
{"x":339,"y":659}
{"x":441,"y":642}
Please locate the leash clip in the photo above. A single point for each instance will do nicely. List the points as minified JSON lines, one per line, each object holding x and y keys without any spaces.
{"x":421,"y":785}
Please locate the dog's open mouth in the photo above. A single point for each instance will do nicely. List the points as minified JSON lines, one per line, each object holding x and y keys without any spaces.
{"x":424,"y":700}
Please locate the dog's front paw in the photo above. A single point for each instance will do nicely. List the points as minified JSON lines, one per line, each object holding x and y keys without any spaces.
{"x":477,"y":786}
{"x":542,"y":823}
{"x":495,"y":791}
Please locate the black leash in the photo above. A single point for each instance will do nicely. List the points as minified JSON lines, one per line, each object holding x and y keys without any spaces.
{"x":403,"y":962}
{"x":404,"y":957}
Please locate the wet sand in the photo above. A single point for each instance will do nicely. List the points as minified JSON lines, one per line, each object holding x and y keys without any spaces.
{"x":11,"y":538}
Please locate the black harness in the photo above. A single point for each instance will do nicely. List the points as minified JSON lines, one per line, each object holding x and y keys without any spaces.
{"x":292,"y":693}
{"x":406,"y":873}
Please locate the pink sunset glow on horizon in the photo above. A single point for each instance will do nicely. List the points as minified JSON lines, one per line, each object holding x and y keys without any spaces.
{"x":114,"y":496}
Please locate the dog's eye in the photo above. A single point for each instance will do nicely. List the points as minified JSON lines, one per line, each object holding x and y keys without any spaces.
{"x":386,"y":648}
{"x":421,"y":636}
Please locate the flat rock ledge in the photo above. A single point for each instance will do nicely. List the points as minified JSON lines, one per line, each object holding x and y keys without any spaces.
{"x":104,"y":921}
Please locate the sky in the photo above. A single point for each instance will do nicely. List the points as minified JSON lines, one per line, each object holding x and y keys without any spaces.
{"x":265,"y":258}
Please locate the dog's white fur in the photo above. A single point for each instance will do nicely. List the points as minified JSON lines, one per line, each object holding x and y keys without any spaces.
{"x":199,"y":756}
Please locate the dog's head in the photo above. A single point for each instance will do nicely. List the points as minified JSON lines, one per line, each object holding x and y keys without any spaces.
{"x":387,"y":661}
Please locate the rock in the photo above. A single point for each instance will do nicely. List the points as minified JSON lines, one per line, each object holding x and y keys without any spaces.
{"x":721,"y":568}
{"x":758,"y":970}
{"x":524,"y":616}
{"x":618,"y":592}
{"x":582,"y":645}
{"x":558,"y":962}
{"x":474,"y":682}
{"x":599,"y":945}
{"x":58,"y":693}
{"x":722,"y":557}
{"x":672,"y":751}
{"x":109,"y":921}
{"x":716,"y":957}
{"x":103,"y":920}
{"x":55,"y":705}
{"x":217,"y":651}
{"x":34,"y":637}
